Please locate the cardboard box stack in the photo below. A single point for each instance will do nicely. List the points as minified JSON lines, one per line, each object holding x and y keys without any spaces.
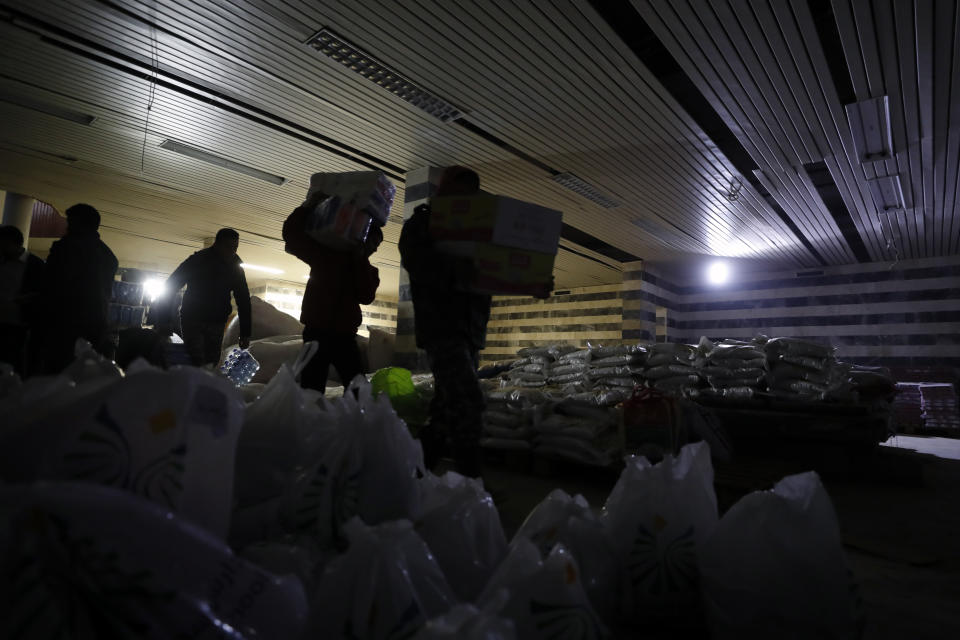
{"x":356,"y":201}
{"x":512,"y":244}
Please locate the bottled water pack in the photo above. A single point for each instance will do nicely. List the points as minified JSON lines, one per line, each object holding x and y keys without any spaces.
{"x":240,"y":366}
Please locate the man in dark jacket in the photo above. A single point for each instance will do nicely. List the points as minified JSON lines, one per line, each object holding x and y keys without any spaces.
{"x":21,"y":280}
{"x":210,"y":276}
{"x":78,"y":281}
{"x":451,"y":326}
{"x":340,"y":281}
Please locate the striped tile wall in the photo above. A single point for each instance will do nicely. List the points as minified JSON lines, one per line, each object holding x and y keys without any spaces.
{"x":642,"y":294}
{"x":584,"y":314}
{"x":380,"y":314}
{"x":907,"y":315}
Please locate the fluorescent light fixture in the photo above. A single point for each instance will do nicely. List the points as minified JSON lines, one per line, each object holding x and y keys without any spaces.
{"x":870,"y":125}
{"x":887,"y":193}
{"x":718,"y":273}
{"x":256,"y":267}
{"x":154,"y":288}
{"x":57,"y":111}
{"x":206,"y":156}
{"x":585,"y":189}
{"x":339,"y":50}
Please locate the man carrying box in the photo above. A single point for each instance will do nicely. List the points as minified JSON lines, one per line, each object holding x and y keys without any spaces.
{"x":451,"y":326}
{"x":341,"y":279}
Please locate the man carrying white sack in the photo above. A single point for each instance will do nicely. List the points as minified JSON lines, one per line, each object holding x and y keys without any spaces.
{"x":340,"y":281}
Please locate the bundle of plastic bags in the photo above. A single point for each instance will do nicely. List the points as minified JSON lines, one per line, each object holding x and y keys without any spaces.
{"x":510,"y":416}
{"x":775,"y":568}
{"x":800,"y":368}
{"x":467,"y":622}
{"x":367,"y":466}
{"x":735,"y":368}
{"x":589,"y":438}
{"x":86,"y":561}
{"x":545,"y":598}
{"x":674,"y":368}
{"x":564,"y":520}
{"x":386,"y":585}
{"x":658,"y":516}
{"x":462,"y":527}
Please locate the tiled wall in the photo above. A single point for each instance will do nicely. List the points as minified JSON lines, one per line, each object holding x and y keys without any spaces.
{"x":585,"y":314}
{"x":380,"y":314}
{"x":905,"y":315}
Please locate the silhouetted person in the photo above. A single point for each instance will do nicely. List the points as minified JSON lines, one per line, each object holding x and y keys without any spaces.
{"x":211,"y":275}
{"x":78,"y":282}
{"x":21,"y":280}
{"x":451,"y":326}
{"x":340,"y":281}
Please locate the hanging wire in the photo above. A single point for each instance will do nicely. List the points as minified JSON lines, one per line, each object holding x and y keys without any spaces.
{"x":151,"y":94}
{"x":891,"y":239}
{"x":733,"y":191}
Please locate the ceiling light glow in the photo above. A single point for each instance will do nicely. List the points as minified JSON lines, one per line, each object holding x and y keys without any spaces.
{"x":154,"y":288}
{"x":718,"y":273}
{"x":256,"y":267}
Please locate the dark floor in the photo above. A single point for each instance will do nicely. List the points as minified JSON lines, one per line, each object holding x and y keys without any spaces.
{"x":898,"y":513}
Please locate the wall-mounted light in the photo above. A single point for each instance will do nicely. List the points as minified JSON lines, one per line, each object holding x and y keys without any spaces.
{"x":718,"y":273}
{"x":870,"y":126}
{"x":256,"y":267}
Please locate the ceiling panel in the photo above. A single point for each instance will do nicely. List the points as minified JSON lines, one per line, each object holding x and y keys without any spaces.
{"x":545,"y":86}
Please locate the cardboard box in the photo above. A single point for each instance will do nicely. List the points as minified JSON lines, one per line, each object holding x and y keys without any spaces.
{"x":504,"y":270}
{"x":368,"y":191}
{"x":496,"y":220}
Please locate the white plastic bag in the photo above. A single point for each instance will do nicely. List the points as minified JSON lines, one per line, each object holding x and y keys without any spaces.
{"x":283,"y":430}
{"x":775,"y":568}
{"x":367,"y":467}
{"x":566,"y":520}
{"x":546,"y":598}
{"x":386,"y":585}
{"x":97,"y":562}
{"x":169,"y":436}
{"x":657,"y":517}
{"x":462,"y":527}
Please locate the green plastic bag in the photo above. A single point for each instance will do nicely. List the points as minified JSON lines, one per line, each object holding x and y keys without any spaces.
{"x":397,"y":384}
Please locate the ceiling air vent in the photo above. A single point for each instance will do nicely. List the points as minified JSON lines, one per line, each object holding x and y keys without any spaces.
{"x":585,"y":189}
{"x":55,"y":110}
{"x":339,"y":50}
{"x":807,"y":274}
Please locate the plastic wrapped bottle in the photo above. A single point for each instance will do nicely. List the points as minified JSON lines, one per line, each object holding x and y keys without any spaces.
{"x":240,"y":366}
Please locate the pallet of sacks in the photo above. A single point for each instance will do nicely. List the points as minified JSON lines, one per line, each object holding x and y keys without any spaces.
{"x":510,"y":416}
{"x":674,"y":369}
{"x":735,"y":369}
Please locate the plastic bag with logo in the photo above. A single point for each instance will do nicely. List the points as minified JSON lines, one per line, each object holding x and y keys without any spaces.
{"x":99,"y":562}
{"x":566,"y":520}
{"x":169,"y":436}
{"x":386,"y":585}
{"x":546,"y":598}
{"x":368,"y":467}
{"x":775,"y":568}
{"x":462,"y":527}
{"x":657,"y":516}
